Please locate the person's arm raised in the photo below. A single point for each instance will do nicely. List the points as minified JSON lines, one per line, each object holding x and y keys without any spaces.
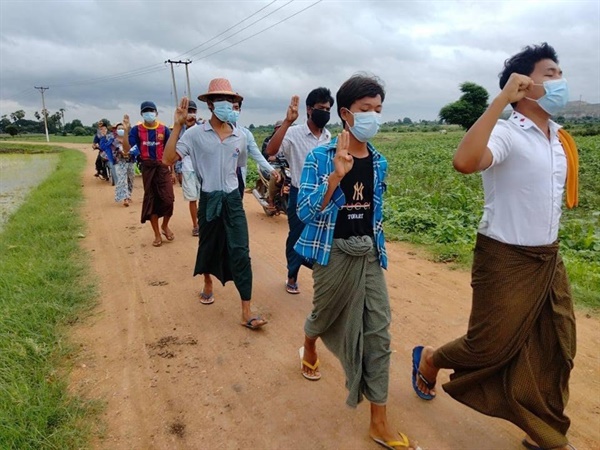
{"x":473,"y":154}
{"x":170,"y":153}
{"x":290,"y":118}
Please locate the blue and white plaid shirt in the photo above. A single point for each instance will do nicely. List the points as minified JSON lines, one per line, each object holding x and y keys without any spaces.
{"x":316,"y":239}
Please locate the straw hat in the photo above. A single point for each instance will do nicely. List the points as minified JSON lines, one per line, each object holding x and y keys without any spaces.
{"x":220,"y":86}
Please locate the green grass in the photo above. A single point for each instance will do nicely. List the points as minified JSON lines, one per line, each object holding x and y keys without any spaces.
{"x":44,"y":286}
{"x":430,"y":204}
{"x":41,"y":138}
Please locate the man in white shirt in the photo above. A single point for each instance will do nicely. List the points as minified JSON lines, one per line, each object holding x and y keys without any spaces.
{"x":515,"y":360}
{"x":295,"y":142}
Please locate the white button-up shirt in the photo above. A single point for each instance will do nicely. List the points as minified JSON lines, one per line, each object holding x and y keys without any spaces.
{"x":296,"y":144}
{"x":524,"y":185}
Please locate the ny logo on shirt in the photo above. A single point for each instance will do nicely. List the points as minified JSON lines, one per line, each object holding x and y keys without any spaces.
{"x":358,"y":192}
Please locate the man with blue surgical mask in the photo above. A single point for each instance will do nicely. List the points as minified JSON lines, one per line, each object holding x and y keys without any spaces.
{"x":150,"y":138}
{"x":515,"y":360}
{"x":216,"y":149}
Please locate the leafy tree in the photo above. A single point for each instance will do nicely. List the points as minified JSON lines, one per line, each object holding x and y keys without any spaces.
{"x":407,"y":121}
{"x":11,"y":129}
{"x":4,"y":122}
{"x":17,"y":115}
{"x":79,"y":131}
{"x":467,"y":109}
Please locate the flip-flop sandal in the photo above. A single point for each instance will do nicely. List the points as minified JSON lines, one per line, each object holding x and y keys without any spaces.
{"x":313,"y":367}
{"x":416,"y":360}
{"x":292,"y":288}
{"x":248,"y":324}
{"x":156,"y":243}
{"x":394,"y":445}
{"x":169,"y":237}
{"x":207,"y":299}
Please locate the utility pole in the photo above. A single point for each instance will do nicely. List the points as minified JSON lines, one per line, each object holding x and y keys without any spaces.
{"x":187,"y":75}
{"x":44,"y":111}
{"x":174,"y":85}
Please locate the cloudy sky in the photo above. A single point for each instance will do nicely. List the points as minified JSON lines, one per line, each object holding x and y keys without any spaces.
{"x":103,"y":58}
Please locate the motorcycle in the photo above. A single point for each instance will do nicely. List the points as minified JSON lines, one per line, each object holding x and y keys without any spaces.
{"x":280,"y":200}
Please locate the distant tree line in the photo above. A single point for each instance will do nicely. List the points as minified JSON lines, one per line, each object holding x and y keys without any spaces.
{"x":462,"y":113}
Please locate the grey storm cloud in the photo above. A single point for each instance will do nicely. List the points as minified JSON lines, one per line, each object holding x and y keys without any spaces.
{"x":102,"y":58}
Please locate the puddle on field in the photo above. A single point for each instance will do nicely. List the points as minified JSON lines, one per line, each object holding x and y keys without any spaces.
{"x":18,"y":175}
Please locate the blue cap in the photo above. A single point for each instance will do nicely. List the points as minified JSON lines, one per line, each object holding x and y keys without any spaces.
{"x":192,"y":105}
{"x":147,"y":105}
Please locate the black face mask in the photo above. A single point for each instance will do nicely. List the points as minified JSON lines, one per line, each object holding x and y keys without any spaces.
{"x":319,"y":117}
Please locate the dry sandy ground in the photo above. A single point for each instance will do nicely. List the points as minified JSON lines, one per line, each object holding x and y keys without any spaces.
{"x":176,"y":374}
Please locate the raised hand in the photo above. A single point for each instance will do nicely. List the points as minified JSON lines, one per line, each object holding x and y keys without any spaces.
{"x":182,"y":111}
{"x":517,"y":87}
{"x":343,"y":160}
{"x":126,"y":122}
{"x":292,"y":111}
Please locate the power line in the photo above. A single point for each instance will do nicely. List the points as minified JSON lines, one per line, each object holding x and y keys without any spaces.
{"x":262,"y":31}
{"x":159,"y":66}
{"x":147,"y":69}
{"x":230,"y":28}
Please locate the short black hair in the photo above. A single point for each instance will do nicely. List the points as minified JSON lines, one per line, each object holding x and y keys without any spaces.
{"x":356,"y":87}
{"x":319,"y":95}
{"x":524,"y":62}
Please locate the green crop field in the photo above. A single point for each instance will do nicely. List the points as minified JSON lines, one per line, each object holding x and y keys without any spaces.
{"x":430,"y":204}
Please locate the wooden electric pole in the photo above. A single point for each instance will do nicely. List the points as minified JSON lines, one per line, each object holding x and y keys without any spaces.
{"x":187,"y":75}
{"x":44,"y":111}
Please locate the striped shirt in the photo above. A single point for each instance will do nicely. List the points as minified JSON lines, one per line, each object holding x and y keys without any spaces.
{"x":316,"y":239}
{"x":150,"y":140}
{"x":297,"y":143}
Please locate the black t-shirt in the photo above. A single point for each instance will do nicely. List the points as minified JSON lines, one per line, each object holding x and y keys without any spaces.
{"x":355,"y":218}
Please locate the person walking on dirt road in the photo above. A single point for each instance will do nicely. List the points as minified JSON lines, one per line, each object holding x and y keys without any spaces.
{"x":217,"y":149}
{"x":516,"y":358}
{"x":150,"y":138}
{"x":341,"y":202}
{"x":294,"y":142}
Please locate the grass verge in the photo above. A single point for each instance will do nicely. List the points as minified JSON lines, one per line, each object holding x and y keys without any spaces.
{"x":44,"y":286}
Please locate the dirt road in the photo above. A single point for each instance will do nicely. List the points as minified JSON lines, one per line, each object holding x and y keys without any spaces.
{"x":176,"y":374}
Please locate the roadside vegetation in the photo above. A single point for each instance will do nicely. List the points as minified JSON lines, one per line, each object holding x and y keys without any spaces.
{"x":44,"y":287}
{"x":429,"y":204}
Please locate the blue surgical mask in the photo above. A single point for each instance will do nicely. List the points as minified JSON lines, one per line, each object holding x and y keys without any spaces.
{"x":556,"y":97}
{"x":149,"y":116}
{"x":233,"y":116}
{"x":120,"y":132}
{"x":366,"y":125}
{"x":222,"y":110}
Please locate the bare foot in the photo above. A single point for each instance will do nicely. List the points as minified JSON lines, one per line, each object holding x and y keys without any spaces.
{"x":428,"y":370}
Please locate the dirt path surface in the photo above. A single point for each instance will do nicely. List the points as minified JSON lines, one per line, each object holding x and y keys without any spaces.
{"x":176,"y":374}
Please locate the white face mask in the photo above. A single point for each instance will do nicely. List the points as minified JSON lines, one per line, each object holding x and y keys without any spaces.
{"x":120,"y":132}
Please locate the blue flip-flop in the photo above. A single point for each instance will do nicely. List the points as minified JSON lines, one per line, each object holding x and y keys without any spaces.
{"x":416,"y":360}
